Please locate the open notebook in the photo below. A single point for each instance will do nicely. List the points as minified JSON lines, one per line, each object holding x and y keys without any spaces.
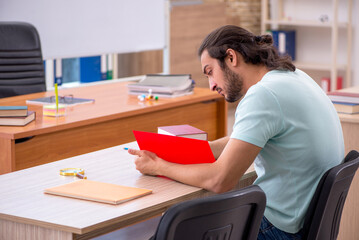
{"x":98,"y":191}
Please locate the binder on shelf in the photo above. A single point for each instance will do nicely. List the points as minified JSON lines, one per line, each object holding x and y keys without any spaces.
{"x":58,"y":71}
{"x":110,"y":66}
{"x":285,"y":42}
{"x":339,"y":82}
{"x":90,"y":69}
{"x":70,"y":70}
{"x":103,"y":67}
{"x":325,"y":84}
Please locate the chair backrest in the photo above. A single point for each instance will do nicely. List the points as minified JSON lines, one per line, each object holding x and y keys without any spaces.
{"x":232,"y":215}
{"x":21,"y":63}
{"x":324,"y":213}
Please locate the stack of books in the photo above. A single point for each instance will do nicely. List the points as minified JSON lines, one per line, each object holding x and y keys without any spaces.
{"x":15,"y":115}
{"x":345,"y":102}
{"x":163,"y":85}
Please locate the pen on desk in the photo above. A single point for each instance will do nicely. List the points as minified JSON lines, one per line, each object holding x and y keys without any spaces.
{"x":57,"y":98}
{"x":79,"y":175}
{"x":127,"y":148}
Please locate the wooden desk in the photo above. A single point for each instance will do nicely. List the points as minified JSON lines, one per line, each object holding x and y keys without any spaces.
{"x":349,"y":224}
{"x":26,"y":211}
{"x":107,"y":122}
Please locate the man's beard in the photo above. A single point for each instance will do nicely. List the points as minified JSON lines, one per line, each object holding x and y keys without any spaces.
{"x":233,"y":85}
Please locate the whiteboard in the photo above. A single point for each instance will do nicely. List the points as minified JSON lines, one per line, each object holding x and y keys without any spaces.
{"x":76,"y":28}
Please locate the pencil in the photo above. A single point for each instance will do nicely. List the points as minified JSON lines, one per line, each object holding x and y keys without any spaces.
{"x":79,"y":175}
{"x":56,"y":98}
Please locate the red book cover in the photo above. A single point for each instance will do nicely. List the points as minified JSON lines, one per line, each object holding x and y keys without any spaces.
{"x":175,"y":149}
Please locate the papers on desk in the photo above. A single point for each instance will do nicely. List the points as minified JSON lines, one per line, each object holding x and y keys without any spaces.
{"x":68,"y":100}
{"x":98,"y":191}
{"x":175,"y":149}
{"x":163,"y":85}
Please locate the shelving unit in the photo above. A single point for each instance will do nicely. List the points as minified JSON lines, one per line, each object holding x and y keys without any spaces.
{"x":333,"y":67}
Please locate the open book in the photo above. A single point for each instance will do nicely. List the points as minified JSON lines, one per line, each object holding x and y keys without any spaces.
{"x":98,"y":191}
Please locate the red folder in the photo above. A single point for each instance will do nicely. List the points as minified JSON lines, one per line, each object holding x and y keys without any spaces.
{"x":175,"y":149}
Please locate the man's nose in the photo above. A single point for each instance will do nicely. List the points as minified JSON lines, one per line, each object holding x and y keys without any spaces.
{"x":212,"y":85}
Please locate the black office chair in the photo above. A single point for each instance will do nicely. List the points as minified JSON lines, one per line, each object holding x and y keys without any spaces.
{"x":232,"y":215}
{"x":324,"y":213}
{"x":21,"y":63}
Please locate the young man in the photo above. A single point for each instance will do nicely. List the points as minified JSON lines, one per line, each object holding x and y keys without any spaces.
{"x":284,"y":123}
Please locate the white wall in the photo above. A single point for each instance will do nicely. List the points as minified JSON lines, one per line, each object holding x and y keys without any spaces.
{"x":74,"y":28}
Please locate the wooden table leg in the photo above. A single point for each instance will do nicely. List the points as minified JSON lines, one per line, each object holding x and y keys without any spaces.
{"x":7,"y":155}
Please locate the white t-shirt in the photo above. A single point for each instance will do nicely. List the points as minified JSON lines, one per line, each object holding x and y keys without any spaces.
{"x":289,"y":116}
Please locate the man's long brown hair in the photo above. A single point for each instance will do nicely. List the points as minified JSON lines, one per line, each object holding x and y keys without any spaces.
{"x":256,"y":50}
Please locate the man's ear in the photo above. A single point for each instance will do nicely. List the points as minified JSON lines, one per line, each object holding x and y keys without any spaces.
{"x":231,"y":57}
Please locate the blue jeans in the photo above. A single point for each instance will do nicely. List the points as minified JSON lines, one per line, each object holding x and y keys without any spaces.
{"x":268,"y":232}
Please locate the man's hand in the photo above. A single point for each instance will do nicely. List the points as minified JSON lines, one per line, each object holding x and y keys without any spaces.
{"x":146,"y":162}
